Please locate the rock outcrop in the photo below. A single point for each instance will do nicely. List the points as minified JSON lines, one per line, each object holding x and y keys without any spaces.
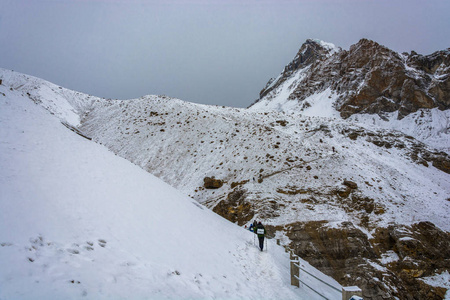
{"x":397,"y":256}
{"x":235,"y":208}
{"x":368,"y":78}
{"x":212,"y":183}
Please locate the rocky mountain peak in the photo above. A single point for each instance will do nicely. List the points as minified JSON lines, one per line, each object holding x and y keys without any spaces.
{"x":311,"y":52}
{"x":369,"y":78}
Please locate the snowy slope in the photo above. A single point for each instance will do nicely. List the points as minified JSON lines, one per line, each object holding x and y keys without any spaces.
{"x":431,"y":126}
{"x":183,"y":143}
{"x":76,"y":221}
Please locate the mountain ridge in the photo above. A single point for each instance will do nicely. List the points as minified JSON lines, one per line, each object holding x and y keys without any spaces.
{"x":300,"y":174}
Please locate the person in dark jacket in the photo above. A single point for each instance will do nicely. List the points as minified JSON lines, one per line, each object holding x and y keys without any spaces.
{"x":261,"y":232}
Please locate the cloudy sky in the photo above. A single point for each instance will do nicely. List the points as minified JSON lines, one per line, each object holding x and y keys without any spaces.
{"x":213,"y":52}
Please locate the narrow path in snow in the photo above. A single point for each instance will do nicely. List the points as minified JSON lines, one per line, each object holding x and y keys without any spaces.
{"x":296,"y":166}
{"x":260,"y":267}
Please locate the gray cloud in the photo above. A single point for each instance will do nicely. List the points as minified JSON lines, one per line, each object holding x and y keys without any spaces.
{"x":212,"y":52}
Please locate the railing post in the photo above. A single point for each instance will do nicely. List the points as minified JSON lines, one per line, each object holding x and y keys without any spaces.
{"x":349,"y":291}
{"x":295,"y":271}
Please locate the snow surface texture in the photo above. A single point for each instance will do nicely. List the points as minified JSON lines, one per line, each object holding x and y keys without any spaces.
{"x":76,"y":221}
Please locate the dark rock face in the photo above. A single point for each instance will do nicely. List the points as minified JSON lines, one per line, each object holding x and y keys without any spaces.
{"x":370,"y":78}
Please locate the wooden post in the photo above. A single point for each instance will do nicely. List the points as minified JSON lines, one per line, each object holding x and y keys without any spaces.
{"x":294,"y":272}
{"x":349,"y":291}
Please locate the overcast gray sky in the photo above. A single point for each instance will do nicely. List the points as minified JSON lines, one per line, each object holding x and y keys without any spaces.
{"x":211,"y":52}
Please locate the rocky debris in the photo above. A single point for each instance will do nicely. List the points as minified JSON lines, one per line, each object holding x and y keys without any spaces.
{"x":442,"y":162}
{"x":346,"y":189}
{"x":369,"y":78}
{"x":420,"y":250}
{"x":291,"y":190}
{"x":235,"y":184}
{"x":341,"y":252}
{"x":212,"y":183}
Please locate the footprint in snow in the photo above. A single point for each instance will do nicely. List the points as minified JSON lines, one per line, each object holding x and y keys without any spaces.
{"x":102,"y":243}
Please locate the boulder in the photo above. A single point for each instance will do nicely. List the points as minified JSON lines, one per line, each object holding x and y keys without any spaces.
{"x":350,"y":184}
{"x":212,"y":183}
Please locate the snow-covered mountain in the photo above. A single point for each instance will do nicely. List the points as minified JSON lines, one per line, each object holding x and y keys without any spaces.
{"x":362,"y":202}
{"x":370,"y":84}
{"x":79,"y":222}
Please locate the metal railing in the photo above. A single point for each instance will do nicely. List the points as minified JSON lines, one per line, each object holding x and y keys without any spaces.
{"x":315,"y":277}
{"x":346,"y":292}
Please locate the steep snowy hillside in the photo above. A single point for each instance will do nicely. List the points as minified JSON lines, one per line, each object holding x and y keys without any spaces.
{"x":183,"y":143}
{"x":76,"y":221}
{"x":291,"y":169}
{"x":367,"y":205}
{"x":370,"y":83}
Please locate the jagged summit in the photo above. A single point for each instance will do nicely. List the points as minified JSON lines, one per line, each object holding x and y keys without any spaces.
{"x":310,"y":52}
{"x":369,"y":78}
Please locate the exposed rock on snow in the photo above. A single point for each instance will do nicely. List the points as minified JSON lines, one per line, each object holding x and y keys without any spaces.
{"x":212,"y":183}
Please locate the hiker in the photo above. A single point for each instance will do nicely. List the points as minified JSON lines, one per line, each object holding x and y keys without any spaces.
{"x":261,"y":232}
{"x":250,"y":228}
{"x":255,"y":223}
